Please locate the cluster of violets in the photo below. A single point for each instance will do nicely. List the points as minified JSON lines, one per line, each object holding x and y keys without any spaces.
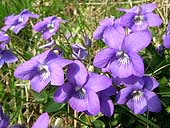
{"x":86,"y":91}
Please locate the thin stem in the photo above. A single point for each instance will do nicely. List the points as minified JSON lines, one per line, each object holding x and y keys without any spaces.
{"x":160,"y":69}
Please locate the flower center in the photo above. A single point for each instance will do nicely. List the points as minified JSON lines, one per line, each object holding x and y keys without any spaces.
{"x":81,"y":93}
{"x":137,"y":94}
{"x":50,"y":26}
{"x":123,"y":58}
{"x":20,"y":19}
{"x":44,"y":71}
{"x":139,"y":19}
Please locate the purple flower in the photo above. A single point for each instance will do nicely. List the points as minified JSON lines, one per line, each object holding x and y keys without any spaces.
{"x":79,"y":52}
{"x":50,"y":42}
{"x":17,"y":22}
{"x":4,"y":39}
{"x":122,"y":58}
{"x":106,"y":104}
{"x":48,"y":27}
{"x":160,"y":49}
{"x":87,"y":41}
{"x":42,"y":121}
{"x":81,"y":89}
{"x":7,"y":56}
{"x":4,"y":120}
{"x":166,"y":37}
{"x":140,"y":17}
{"x":140,"y":97}
{"x":42,"y":69}
{"x":109,"y":28}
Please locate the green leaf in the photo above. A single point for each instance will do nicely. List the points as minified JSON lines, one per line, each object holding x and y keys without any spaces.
{"x":99,"y":124}
{"x":53,"y":106}
{"x":41,"y":97}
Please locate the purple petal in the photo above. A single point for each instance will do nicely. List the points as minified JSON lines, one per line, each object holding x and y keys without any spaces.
{"x":154,"y":104}
{"x":48,"y":34}
{"x":108,"y":91}
{"x":26,"y":13}
{"x":42,"y":121}
{"x":1,"y":63}
{"x":127,"y":19}
{"x":124,"y":95}
{"x":56,"y":74}
{"x":26,"y":70}
{"x":137,"y":63}
{"x":20,"y":26}
{"x":38,"y":83}
{"x":61,"y":61}
{"x":9,"y":57}
{"x":103,"y":57}
{"x":137,"y":106}
{"x":150,"y":83}
{"x":42,"y":57}
{"x":153,"y":19}
{"x":5,"y":28}
{"x":93,"y":102}
{"x":11,"y":20}
{"x":98,"y":82}
{"x":113,"y":38}
{"x":106,"y":106}
{"x":77,"y":73}
{"x":40,"y":26}
{"x":98,"y":33}
{"x":107,"y":21}
{"x":136,"y":41}
{"x":135,"y":9}
{"x":168,"y":27}
{"x":139,"y":27}
{"x":166,"y":41}
{"x":148,"y":7}
{"x":63,"y":93}
{"x":3,"y":37}
{"x":121,"y":70}
{"x":78,"y":104}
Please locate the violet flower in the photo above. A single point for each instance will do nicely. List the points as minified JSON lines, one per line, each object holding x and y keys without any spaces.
{"x":122,"y":58}
{"x":140,"y":17}
{"x":50,"y":43}
{"x":79,"y":52}
{"x":17,"y":22}
{"x":109,"y":28}
{"x":4,"y":120}
{"x":42,"y":69}
{"x":106,"y":104}
{"x":4,"y":39}
{"x":166,"y":37}
{"x":81,"y":89}
{"x":140,"y":97}
{"x":87,"y":41}
{"x":48,"y":27}
{"x":7,"y":56}
{"x":42,"y":121}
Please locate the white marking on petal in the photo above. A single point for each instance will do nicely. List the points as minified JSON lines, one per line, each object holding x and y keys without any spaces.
{"x":20,"y":19}
{"x":137,"y":94}
{"x":51,"y":27}
{"x":123,"y":58}
{"x":139,"y":19}
{"x":44,"y":71}
{"x":80,"y":92}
